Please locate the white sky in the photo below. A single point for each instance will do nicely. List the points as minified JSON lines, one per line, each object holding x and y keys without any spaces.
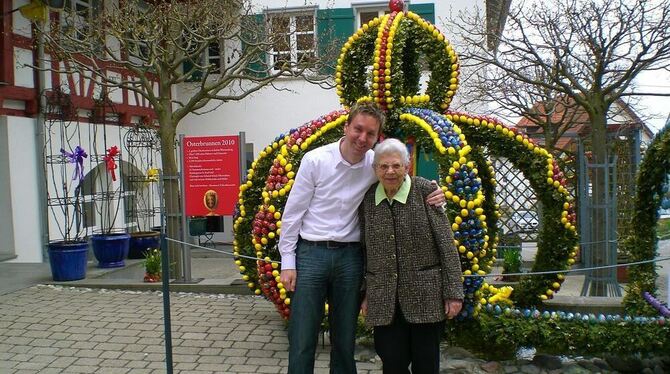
{"x":656,"y":107}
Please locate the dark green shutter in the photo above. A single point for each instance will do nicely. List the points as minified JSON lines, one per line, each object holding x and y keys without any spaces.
{"x":334,"y":27}
{"x":255,"y":30}
{"x":196,"y":75}
{"x":426,"y":11}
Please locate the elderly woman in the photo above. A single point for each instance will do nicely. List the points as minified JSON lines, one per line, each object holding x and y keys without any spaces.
{"x":413,"y":274}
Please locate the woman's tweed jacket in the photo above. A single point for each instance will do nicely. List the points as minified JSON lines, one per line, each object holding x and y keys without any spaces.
{"x":410,"y":255}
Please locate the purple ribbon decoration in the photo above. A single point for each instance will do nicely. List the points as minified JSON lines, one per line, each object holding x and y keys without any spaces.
{"x":77,"y":158}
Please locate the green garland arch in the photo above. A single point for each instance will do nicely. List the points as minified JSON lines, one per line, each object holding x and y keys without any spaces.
{"x":642,"y":243}
{"x":557,"y":240}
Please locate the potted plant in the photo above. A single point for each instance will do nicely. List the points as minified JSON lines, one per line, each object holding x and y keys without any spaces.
{"x":68,"y":255}
{"x":110,"y":245}
{"x":152,"y":265}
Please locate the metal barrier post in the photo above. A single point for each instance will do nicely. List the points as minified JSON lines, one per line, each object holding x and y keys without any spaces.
{"x":165,"y":263}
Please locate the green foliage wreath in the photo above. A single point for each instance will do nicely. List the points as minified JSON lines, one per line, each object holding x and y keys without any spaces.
{"x":642,"y":243}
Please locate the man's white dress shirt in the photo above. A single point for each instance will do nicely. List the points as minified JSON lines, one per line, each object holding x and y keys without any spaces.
{"x":323,"y":203}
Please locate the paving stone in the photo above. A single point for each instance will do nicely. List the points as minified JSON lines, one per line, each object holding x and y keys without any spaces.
{"x":63,"y":362}
{"x":58,"y":336}
{"x":184,"y":358}
{"x":123,"y":339}
{"x":114,"y":370}
{"x":271,"y":369}
{"x":88,"y":353}
{"x":43,"y":351}
{"x":210,"y":351}
{"x":82,"y":369}
{"x":210,"y":359}
{"x":42,"y":334}
{"x":244,"y":368}
{"x":30,"y":365}
{"x":18,"y":340}
{"x":266,"y":361}
{"x":235,"y":360}
{"x":50,"y":371}
{"x":110,"y":346}
{"x":88,"y":361}
{"x":186,"y":366}
{"x":7,"y":364}
{"x":113,"y":362}
{"x":132,"y":356}
{"x":209,"y":367}
{"x":21,"y":349}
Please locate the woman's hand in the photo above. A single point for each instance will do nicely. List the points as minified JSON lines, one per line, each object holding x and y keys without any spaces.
{"x":364,"y":306}
{"x":452,"y":308}
{"x":436,"y":198}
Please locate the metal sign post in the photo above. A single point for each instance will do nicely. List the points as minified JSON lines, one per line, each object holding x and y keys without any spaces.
{"x":185,"y":249}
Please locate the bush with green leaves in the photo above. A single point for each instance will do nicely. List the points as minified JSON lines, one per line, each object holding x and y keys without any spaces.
{"x":498,"y":337}
{"x":642,"y":243}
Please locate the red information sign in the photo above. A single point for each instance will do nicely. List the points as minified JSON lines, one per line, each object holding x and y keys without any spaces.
{"x":211,"y":174}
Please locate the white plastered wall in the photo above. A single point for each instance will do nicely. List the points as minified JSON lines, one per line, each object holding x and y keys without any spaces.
{"x":19,"y":174}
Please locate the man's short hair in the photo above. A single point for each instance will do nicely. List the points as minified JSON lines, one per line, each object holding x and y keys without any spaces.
{"x":370,"y":109}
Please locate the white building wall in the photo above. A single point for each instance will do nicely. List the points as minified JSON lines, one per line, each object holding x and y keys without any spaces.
{"x":22,"y":213}
{"x":7,"y":248}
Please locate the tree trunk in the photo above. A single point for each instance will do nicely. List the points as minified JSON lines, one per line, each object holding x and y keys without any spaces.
{"x":171,"y":193}
{"x":600,"y":202}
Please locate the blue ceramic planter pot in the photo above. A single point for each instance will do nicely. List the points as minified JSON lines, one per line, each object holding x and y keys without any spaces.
{"x":68,"y":260}
{"x":111,"y":249}
{"x":141,"y":241}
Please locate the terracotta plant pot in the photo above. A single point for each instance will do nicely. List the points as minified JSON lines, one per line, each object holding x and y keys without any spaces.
{"x":152,"y":278}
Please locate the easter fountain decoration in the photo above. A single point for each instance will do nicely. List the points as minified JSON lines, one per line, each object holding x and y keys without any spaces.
{"x":381,"y":62}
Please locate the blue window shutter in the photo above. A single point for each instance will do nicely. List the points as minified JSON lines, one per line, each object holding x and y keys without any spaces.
{"x":426,"y":11}
{"x":334,"y":27}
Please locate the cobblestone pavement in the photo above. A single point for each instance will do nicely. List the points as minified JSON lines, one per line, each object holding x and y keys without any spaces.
{"x":47,"y":329}
{"x":54,"y":329}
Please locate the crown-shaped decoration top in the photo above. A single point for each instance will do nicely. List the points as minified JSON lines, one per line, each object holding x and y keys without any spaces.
{"x":382,"y":61}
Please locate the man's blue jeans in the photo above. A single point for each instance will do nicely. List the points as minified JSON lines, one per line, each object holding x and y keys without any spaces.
{"x":324,"y":273}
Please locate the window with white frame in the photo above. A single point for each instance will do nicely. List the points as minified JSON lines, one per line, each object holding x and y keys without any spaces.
{"x":78,"y":16}
{"x":367,"y":12}
{"x":213,"y":57}
{"x":294,"y":38}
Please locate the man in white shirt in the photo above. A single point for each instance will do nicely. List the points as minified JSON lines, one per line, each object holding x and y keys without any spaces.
{"x":320,"y":241}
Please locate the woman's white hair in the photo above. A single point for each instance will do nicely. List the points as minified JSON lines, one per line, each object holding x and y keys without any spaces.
{"x":392,"y":146}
